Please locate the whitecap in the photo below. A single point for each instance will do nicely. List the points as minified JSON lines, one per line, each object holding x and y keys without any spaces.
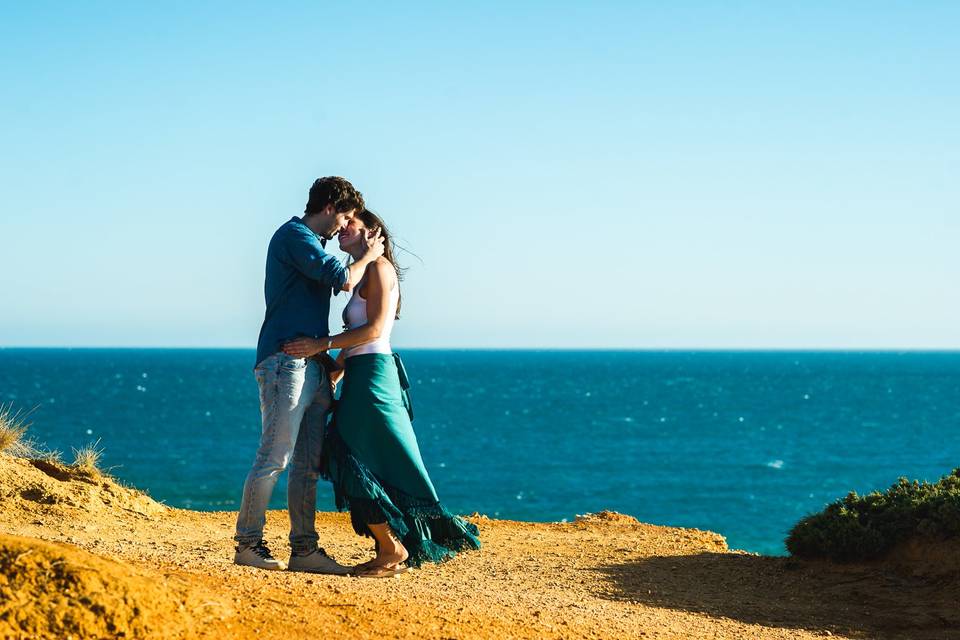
{"x":775,"y":464}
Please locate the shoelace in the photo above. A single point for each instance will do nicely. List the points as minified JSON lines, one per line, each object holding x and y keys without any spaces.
{"x":262,"y":551}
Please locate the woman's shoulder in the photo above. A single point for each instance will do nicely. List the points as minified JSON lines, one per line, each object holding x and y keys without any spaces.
{"x":383,"y":271}
{"x":382,"y":267}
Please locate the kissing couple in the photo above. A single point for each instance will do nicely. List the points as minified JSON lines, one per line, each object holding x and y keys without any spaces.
{"x":365,"y":446}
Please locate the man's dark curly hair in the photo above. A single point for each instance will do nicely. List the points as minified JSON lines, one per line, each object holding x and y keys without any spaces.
{"x":336,"y":191}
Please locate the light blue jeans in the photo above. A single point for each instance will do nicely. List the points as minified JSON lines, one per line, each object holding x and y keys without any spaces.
{"x":294,"y":404}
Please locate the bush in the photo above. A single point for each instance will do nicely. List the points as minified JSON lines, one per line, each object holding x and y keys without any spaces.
{"x":865,"y":527}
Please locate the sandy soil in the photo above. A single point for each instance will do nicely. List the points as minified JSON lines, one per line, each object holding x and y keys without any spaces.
{"x":602,"y":576}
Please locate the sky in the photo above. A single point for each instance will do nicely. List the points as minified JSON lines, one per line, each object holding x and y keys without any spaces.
{"x":643,"y":175}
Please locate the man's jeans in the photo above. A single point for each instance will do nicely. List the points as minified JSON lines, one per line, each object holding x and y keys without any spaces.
{"x":294,"y":403}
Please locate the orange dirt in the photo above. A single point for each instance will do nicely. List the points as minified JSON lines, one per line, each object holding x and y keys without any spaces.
{"x":601,"y":576}
{"x":57,"y":591}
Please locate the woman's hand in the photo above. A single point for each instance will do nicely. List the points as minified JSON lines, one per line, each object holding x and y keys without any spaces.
{"x":335,"y":378}
{"x":304,"y":347}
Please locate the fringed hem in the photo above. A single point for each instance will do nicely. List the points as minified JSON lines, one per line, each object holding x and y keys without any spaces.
{"x":429,"y":532}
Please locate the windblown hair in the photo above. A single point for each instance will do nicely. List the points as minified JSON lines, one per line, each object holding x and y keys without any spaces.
{"x":373,"y":222}
{"x":333,"y":190}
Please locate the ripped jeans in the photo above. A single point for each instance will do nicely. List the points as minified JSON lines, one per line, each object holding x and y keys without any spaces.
{"x":295,"y":400}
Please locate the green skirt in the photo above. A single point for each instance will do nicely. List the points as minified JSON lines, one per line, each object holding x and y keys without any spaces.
{"x":371,"y":455}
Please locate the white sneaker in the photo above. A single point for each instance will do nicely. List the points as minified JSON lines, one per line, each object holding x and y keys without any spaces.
{"x":316,"y":561}
{"x":258,"y":556}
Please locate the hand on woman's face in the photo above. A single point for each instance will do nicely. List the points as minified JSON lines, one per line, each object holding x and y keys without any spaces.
{"x":351,"y":234}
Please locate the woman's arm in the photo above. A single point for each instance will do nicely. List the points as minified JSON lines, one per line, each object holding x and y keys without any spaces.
{"x":336,"y":373}
{"x":356,"y":270}
{"x":380,"y":279}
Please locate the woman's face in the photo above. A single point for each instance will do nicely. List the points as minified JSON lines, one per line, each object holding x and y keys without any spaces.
{"x":351,"y":235}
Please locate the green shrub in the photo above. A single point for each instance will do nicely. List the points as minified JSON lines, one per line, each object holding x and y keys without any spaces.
{"x":864,"y":527}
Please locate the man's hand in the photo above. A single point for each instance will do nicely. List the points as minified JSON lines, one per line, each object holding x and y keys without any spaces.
{"x":374,"y":246}
{"x":303,"y":347}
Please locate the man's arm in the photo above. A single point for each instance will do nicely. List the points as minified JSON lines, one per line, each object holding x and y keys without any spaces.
{"x":309,"y":258}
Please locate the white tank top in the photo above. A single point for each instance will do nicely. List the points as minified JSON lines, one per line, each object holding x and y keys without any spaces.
{"x":355,"y":315}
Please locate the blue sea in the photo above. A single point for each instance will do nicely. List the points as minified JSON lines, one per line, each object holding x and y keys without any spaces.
{"x":742,"y":443}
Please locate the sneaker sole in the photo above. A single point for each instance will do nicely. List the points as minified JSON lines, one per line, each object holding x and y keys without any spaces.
{"x":344,"y":572}
{"x":280,"y":566}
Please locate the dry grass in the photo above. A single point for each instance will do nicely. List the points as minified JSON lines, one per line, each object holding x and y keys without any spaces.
{"x":50,"y":455}
{"x":13,"y":430}
{"x":87,"y":458}
{"x":14,"y":442}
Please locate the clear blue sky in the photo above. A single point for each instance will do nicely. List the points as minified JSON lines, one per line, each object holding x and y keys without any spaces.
{"x":636,"y":174}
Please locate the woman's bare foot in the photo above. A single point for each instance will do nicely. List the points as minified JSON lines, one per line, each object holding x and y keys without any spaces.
{"x":390,"y":554}
{"x":386,"y":559}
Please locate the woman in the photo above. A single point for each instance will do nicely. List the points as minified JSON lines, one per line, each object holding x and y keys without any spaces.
{"x":370,"y":452}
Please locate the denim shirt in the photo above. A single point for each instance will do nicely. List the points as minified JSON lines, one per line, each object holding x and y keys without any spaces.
{"x":300,"y":276}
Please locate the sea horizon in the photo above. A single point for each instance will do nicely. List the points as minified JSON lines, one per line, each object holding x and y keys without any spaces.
{"x":531,"y":349}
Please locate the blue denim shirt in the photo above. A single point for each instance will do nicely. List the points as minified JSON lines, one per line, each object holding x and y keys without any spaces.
{"x":300,"y":277}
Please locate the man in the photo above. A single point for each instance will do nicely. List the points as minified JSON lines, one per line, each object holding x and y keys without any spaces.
{"x":295,"y":394}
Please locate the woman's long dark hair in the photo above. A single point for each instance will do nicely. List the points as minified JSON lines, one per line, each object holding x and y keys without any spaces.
{"x":373,"y":222}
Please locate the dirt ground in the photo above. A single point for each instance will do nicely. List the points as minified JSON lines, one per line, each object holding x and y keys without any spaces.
{"x":602,"y":576}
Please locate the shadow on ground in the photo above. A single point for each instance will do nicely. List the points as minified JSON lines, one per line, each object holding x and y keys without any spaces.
{"x":859,"y":600}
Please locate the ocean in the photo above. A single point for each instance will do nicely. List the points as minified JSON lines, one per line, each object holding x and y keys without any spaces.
{"x":741,"y":443}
